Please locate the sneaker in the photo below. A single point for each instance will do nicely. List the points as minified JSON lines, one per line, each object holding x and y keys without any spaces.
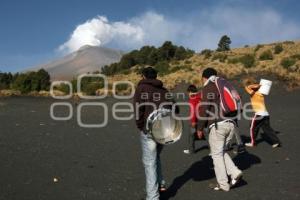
{"x":235,"y":181}
{"x":249,"y":145}
{"x":217,"y":187}
{"x":162,"y":188}
{"x":187,"y":151}
{"x":276,"y":145}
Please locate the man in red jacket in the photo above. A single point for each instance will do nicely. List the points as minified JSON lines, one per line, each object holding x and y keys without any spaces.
{"x":194,"y":102}
{"x":221,"y":131}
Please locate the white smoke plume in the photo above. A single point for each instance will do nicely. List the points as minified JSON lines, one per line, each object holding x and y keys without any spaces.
{"x":196,"y":30}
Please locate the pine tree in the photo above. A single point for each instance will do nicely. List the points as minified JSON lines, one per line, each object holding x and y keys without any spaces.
{"x":224,"y":43}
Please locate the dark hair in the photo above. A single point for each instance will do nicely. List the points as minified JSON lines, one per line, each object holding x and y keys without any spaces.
{"x":208,"y":72}
{"x":192,"y":88}
{"x":149,"y":73}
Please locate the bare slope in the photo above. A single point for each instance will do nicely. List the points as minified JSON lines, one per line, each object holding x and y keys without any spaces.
{"x":86,"y":59}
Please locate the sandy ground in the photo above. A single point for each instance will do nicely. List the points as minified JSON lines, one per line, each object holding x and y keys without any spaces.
{"x":45,"y":159}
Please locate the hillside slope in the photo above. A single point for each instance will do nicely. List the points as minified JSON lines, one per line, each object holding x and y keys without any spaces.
{"x":279,"y":61}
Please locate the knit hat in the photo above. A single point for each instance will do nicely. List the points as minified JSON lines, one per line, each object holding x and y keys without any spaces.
{"x":208,"y":72}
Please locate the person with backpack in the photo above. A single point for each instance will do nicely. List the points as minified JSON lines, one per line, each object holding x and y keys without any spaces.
{"x":149,"y":96}
{"x":261,"y":118}
{"x":194,"y":102}
{"x":219,"y":107}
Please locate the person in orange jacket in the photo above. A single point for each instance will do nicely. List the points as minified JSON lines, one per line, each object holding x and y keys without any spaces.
{"x":261,"y":118}
{"x":194,"y":102}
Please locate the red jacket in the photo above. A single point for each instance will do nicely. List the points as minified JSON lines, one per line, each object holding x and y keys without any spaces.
{"x":194,"y":101}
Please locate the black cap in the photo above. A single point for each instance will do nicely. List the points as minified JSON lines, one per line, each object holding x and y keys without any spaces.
{"x":208,"y":72}
{"x":149,"y":73}
{"x":192,"y":88}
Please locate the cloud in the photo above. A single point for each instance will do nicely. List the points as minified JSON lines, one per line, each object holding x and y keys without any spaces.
{"x":196,"y":30}
{"x":99,"y":31}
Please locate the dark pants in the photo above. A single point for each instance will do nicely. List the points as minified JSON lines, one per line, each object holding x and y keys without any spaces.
{"x":192,"y":139}
{"x":263,"y":122}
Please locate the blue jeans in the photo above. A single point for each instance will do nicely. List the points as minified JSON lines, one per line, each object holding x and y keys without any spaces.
{"x":151,"y":160}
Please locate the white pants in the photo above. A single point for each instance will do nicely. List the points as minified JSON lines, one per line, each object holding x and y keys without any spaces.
{"x":223,"y":164}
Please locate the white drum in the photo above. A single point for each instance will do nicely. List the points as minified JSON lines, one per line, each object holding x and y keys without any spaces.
{"x":265,"y":86}
{"x":163,"y":127}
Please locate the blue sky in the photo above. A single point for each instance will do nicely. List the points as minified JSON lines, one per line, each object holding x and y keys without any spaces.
{"x":36,"y":31}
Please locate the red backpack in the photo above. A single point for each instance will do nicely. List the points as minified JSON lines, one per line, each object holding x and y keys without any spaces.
{"x":230,"y":99}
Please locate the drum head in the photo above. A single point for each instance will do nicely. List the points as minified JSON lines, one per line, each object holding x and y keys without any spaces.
{"x":165,"y":129}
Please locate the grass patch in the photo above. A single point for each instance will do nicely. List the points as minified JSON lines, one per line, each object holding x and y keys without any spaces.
{"x":278,"y":49}
{"x":247,"y":60}
{"x":122,"y":86}
{"x":258,"y":47}
{"x":187,"y":62}
{"x":219,"y":56}
{"x":163,"y":68}
{"x":296,"y":56}
{"x":287,"y":62}
{"x":266,"y":55}
{"x":207,"y":53}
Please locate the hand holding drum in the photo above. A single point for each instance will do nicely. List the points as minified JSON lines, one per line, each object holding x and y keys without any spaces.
{"x":163,"y":127}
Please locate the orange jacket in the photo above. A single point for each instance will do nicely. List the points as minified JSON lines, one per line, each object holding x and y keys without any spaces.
{"x":257,"y":99}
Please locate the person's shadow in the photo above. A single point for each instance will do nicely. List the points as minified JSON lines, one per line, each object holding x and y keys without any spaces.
{"x":203,"y":170}
{"x":199,"y":171}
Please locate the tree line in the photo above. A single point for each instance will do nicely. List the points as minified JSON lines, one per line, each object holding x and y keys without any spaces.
{"x":25,"y":82}
{"x":148,"y":55}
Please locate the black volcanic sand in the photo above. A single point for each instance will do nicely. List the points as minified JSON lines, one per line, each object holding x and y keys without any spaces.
{"x":105,"y":163}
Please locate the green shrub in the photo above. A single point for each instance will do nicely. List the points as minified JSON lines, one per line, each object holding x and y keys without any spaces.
{"x":176,"y":68}
{"x":233,"y":60}
{"x":89,"y":85}
{"x":207,"y":53}
{"x":289,"y":42}
{"x":247,"y":60}
{"x":296,"y":56}
{"x":175,"y":62}
{"x":246,"y":46}
{"x":188,"y":68}
{"x":266,"y":55}
{"x":219,"y":56}
{"x":125,"y":72}
{"x":6,"y":80}
{"x":258,"y":47}
{"x":63,"y":88}
{"x":163,"y":68}
{"x":278,"y":49}
{"x":287,"y":62}
{"x":31,"y":81}
{"x":148,"y":55}
{"x":187,"y":62}
{"x":122,"y":87}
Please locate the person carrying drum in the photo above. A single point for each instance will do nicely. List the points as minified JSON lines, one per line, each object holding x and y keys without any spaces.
{"x":261,"y":118}
{"x":221,"y":127}
{"x":194,"y":102}
{"x":149,"y":96}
